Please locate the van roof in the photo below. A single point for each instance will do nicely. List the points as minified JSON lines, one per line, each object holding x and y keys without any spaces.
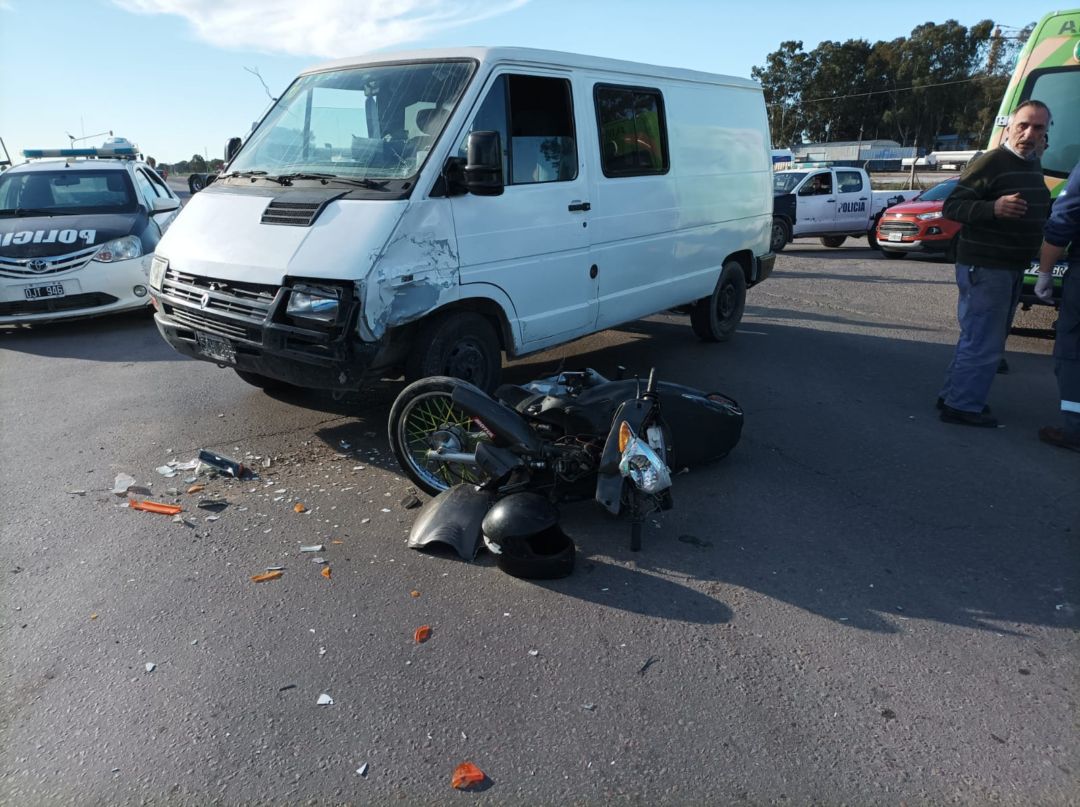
{"x":538,"y":58}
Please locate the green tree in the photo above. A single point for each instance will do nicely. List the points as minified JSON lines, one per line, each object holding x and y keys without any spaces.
{"x":198,"y":164}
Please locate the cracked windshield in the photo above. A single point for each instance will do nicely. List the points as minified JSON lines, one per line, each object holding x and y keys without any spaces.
{"x":375,"y":122}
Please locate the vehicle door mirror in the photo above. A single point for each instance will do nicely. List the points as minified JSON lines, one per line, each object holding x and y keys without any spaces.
{"x":231,"y":148}
{"x":483,"y":165}
{"x":165,"y":205}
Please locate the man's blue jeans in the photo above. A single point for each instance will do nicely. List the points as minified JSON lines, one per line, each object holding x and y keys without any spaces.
{"x":984,"y":310}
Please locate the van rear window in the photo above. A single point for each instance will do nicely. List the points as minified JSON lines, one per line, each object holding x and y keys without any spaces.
{"x":633,"y":131}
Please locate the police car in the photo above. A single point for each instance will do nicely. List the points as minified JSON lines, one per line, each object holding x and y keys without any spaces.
{"x":77,"y":231}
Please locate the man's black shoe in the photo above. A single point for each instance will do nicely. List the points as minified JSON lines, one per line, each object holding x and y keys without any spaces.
{"x":1003,"y":367}
{"x":950,"y":415}
{"x":941,"y":405}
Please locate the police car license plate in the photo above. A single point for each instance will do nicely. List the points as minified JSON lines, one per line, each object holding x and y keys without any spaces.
{"x":215,"y":347}
{"x":44,"y":290}
{"x":896,"y":236}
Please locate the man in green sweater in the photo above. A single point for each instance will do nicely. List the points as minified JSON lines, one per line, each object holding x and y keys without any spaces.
{"x":1002,"y":201}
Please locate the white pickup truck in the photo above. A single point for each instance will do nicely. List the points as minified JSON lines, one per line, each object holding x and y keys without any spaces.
{"x":828,"y":203}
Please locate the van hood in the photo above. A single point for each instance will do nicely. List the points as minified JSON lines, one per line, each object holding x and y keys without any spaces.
{"x":219,"y":234}
{"x":48,"y":236}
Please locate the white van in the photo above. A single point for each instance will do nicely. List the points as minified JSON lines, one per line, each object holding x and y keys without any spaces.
{"x":420,"y":212}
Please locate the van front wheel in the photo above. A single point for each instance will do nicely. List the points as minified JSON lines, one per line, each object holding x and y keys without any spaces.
{"x":715,"y":318}
{"x":459,"y":344}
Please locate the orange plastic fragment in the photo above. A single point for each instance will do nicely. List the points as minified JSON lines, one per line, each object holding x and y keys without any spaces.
{"x":414,"y":594}
{"x":196,"y":488}
{"x":423,"y":633}
{"x":93,"y":616}
{"x":336,"y":541}
{"x":155,"y":507}
{"x":262,"y":578}
{"x":466,"y":775}
{"x":326,"y":572}
{"x":299,"y":508}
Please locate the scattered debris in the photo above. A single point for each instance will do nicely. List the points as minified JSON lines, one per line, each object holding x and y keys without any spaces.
{"x":196,"y":488}
{"x":172,"y":492}
{"x":651,"y":660}
{"x":93,"y":616}
{"x":888,"y":714}
{"x":362,"y":770}
{"x":414,"y":594}
{"x":299,"y":508}
{"x":122,"y":483}
{"x":223,"y":464}
{"x":466,"y":775}
{"x":325,"y":700}
{"x":313,"y":548}
{"x":422,"y":634}
{"x":266,"y":462}
{"x":213,"y":505}
{"x":410,"y":502}
{"x":318,"y":560}
{"x":273,"y":574}
{"x":286,"y":687}
{"x":166,"y":470}
{"x":155,"y":507}
{"x":326,"y":572}
{"x":534,"y":652}
{"x":344,"y":445}
{"x":693,"y":540}
{"x":76,"y":493}
{"x":150,"y":666}
{"x":589,"y":707}
{"x":212,"y":518}
{"x":275,"y":568}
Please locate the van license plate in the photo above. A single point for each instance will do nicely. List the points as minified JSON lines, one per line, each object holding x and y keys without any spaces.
{"x":47,"y":290}
{"x":215,"y":347}
{"x":896,"y":236}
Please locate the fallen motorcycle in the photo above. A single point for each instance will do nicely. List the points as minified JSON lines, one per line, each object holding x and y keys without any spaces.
{"x":570,"y":436}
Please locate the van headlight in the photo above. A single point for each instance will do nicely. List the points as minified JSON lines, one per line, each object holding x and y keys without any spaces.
{"x":119,"y":249}
{"x":315,"y":303}
{"x":157,"y":272}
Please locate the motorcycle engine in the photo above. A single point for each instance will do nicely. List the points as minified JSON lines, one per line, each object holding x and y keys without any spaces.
{"x":579,"y":457}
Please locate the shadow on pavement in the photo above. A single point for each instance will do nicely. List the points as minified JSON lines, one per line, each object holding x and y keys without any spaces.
{"x":126,"y":337}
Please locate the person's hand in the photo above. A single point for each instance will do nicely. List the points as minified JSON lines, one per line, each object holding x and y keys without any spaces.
{"x":1044,"y":287}
{"x":1012,"y":206}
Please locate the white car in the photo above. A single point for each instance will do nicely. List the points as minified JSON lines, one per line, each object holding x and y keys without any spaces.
{"x":77,"y":233}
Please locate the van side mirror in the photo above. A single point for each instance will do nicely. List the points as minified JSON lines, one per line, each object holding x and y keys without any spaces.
{"x":231,"y":148}
{"x":483,"y":165}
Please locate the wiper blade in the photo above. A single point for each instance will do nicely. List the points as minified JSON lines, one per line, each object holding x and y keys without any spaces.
{"x":245,"y":174}
{"x":361,"y":182}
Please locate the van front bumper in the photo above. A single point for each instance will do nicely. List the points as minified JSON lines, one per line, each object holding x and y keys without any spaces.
{"x":244,"y":326}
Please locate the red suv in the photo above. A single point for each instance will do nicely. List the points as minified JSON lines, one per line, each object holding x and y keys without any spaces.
{"x":918,"y":226}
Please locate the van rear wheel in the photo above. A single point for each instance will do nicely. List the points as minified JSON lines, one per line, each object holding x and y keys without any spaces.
{"x":715,"y":318}
{"x":459,"y":344}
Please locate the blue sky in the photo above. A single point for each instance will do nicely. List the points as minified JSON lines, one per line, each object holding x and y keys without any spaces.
{"x":170,"y":74}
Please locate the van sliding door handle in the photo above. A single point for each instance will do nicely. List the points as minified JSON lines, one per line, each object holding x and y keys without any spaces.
{"x":575,"y":206}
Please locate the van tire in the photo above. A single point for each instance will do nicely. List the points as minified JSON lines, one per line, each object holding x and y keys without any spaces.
{"x":263,"y":382}
{"x":715,"y":318}
{"x":833,"y":241}
{"x":195,"y":183}
{"x":459,"y":344}
{"x":781,"y":234}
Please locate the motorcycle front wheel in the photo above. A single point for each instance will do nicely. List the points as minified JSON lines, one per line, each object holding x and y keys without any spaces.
{"x":424,"y":419}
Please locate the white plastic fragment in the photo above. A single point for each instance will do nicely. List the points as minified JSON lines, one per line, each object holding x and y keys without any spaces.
{"x":150,"y":666}
{"x":275,"y":568}
{"x":166,"y":470}
{"x":318,"y":560}
{"x":313,"y":548}
{"x":76,"y":493}
{"x":325,"y":700}
{"x":362,"y":770}
{"x":122,"y":483}
{"x":322,"y":651}
{"x":589,"y":707}
{"x":534,"y":652}
{"x":190,"y":465}
{"x":212,"y":518}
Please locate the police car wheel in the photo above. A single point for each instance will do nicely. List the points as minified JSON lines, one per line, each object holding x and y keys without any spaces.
{"x":781,"y":234}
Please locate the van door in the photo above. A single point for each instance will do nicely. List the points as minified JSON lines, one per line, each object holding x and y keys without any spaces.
{"x":532,"y":240}
{"x":852,"y":199}
{"x":816,"y":207}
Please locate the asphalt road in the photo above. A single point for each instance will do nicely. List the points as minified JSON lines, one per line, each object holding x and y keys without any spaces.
{"x":860,"y":605}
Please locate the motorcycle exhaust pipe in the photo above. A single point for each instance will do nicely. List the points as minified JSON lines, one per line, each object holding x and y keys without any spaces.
{"x":450,"y":456}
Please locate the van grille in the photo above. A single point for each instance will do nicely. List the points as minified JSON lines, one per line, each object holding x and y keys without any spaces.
{"x":227,"y":308}
{"x":295,"y":214}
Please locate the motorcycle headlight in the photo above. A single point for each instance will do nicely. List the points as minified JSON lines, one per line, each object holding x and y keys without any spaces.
{"x":157,"y":272}
{"x":316,"y":303}
{"x":642,"y":466}
{"x":928,"y":216}
{"x":119,"y":249}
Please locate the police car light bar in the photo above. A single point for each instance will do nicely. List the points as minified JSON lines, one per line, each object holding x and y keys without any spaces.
{"x":112,"y":151}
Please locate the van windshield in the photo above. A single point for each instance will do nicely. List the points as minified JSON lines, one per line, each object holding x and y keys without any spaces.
{"x":372,"y":122}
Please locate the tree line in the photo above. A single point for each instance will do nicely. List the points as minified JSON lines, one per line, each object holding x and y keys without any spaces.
{"x":942,"y":79}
